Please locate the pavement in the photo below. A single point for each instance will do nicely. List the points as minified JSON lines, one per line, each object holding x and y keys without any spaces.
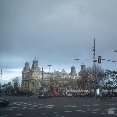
{"x":59,"y":107}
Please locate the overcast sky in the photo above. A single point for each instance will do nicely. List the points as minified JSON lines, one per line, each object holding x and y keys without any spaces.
{"x":56,"y":32}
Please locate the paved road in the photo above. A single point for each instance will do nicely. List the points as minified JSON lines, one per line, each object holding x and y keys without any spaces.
{"x":59,"y":107}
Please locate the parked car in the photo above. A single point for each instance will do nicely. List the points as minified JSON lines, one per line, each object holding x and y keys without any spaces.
{"x":3,"y":102}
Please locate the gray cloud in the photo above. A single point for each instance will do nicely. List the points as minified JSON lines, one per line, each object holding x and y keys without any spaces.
{"x":56,"y":31}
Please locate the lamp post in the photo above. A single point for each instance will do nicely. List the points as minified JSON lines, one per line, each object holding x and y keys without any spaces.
{"x":115,"y":51}
{"x":94,"y":68}
{"x":76,"y":59}
{"x":49,"y":67}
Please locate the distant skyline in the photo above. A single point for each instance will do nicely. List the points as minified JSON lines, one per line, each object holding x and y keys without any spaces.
{"x":56,"y":32}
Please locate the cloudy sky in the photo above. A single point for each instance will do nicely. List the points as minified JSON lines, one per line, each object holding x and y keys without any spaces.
{"x":56,"y":32}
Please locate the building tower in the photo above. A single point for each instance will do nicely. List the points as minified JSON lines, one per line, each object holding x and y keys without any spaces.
{"x":25,"y":76}
{"x":73,"y":71}
{"x":83,"y":67}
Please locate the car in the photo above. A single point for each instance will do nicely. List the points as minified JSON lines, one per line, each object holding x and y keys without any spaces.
{"x":42,"y":95}
{"x":69,"y":94}
{"x":3,"y":102}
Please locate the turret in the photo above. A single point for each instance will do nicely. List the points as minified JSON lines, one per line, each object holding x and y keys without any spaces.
{"x":35,"y":65}
{"x":26,"y":67}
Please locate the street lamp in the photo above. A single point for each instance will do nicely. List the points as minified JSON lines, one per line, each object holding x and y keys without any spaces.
{"x":76,"y":59}
{"x":49,"y":67}
{"x":115,"y":50}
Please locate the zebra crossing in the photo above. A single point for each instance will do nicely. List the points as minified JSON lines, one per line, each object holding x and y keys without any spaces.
{"x":93,"y":108}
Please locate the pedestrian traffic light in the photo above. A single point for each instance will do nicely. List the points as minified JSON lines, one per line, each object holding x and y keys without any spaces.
{"x":99,"y":59}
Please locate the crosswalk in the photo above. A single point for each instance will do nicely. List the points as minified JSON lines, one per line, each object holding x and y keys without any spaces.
{"x":94,"y":108}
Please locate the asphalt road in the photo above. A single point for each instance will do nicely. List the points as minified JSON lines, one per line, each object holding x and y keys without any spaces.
{"x":59,"y":107}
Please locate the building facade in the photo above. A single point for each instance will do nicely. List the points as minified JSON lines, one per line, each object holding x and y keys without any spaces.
{"x":31,"y":77}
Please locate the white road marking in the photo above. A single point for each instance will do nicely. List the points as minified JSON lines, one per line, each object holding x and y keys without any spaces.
{"x":18,"y":114}
{"x":43,"y":113}
{"x":110,"y":112}
{"x":14,"y":107}
{"x":4,"y":116}
{"x":24,"y":107}
{"x":10,"y":109}
{"x":80,"y":110}
{"x":55,"y":112}
{"x":74,"y":106}
{"x":111,"y":109}
{"x":29,"y":104}
{"x":86,"y":105}
{"x":30,"y":108}
{"x":67,"y":111}
{"x":96,"y":109}
{"x":57,"y":115}
{"x":94,"y":112}
{"x":34,"y":105}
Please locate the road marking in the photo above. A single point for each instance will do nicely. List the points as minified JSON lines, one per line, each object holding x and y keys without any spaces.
{"x":96,"y":109}
{"x":102,"y":113}
{"x":95,"y":104}
{"x":80,"y":110}
{"x":4,"y":116}
{"x":34,"y":105}
{"x":10,"y":109}
{"x":43,"y":113}
{"x":55,"y":112}
{"x":18,"y":114}
{"x":74,"y":106}
{"x":14,"y":107}
{"x":93,"y":112}
{"x":67,"y":111}
{"x":49,"y":106}
{"x":41,"y":104}
{"x":24,"y":107}
{"x":30,"y":108}
{"x":29,"y":104}
{"x":111,"y":109}
{"x":86,"y":105}
{"x":110,"y":112}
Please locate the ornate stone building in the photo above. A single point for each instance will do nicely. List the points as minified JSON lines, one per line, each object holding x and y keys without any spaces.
{"x":31,"y":77}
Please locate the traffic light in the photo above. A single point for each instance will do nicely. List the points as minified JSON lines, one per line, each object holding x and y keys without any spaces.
{"x":99,"y":59}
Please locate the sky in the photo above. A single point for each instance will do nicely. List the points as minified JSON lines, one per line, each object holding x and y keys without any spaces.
{"x":56,"y":32}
